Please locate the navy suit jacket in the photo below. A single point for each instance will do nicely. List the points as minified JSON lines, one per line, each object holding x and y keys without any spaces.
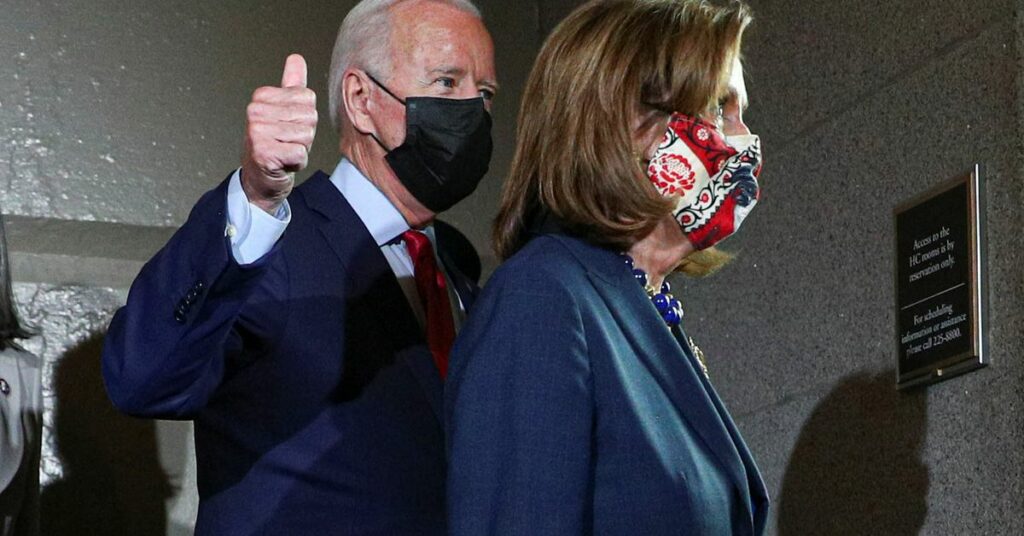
{"x":316,"y":403}
{"x":571,"y":409}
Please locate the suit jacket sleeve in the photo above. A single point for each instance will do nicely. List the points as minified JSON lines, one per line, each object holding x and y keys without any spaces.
{"x":519,"y":410}
{"x":167,"y":349}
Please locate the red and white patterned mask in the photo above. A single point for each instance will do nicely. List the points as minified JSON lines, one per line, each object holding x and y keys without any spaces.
{"x":714,"y":177}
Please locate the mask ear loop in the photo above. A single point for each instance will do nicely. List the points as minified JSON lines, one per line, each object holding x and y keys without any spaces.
{"x":393,"y":96}
{"x":376,"y":139}
{"x":382,"y":86}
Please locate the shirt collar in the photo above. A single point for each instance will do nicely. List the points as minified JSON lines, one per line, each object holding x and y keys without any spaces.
{"x":375,"y":210}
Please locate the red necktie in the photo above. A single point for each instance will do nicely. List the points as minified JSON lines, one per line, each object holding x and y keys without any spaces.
{"x":433,"y":290}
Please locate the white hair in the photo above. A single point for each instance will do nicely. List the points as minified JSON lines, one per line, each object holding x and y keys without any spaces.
{"x":364,"y":41}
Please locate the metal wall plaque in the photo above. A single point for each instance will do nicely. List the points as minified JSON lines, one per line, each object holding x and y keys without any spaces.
{"x":940,"y":282}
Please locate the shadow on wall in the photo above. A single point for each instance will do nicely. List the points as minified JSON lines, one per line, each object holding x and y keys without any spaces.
{"x":856,"y":467}
{"x":113,"y":482}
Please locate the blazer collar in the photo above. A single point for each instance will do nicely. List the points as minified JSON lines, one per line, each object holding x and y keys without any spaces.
{"x":374,"y":209}
{"x":370,"y":275}
{"x":669,"y":360}
{"x":465,"y":287}
{"x":758,"y":493}
{"x":377,"y":216}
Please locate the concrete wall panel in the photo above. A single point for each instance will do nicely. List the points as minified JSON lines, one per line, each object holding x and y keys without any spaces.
{"x":860,"y":107}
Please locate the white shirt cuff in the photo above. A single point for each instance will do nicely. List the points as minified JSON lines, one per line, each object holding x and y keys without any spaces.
{"x":252,"y":231}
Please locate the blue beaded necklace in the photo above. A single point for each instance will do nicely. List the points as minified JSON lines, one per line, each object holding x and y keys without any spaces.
{"x":668,"y":306}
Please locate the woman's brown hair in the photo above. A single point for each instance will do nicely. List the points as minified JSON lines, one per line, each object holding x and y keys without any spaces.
{"x":608,"y":65}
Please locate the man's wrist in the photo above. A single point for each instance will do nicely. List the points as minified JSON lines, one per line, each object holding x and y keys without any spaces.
{"x":270,"y":204}
{"x":251,"y":230}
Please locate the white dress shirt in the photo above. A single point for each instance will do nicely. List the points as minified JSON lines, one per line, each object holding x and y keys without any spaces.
{"x":253,"y":232}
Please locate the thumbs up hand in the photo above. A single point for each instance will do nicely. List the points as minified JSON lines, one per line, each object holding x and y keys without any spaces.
{"x":280,"y":126}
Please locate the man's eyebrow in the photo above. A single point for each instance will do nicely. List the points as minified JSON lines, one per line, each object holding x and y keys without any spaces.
{"x":449,"y":70}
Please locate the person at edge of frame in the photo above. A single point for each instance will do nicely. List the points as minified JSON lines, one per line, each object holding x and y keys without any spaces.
{"x":306,"y":331}
{"x":576,"y":404}
{"x":21,"y":414}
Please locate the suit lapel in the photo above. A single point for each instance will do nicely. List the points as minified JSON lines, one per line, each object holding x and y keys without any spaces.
{"x":460,"y":260}
{"x":675,"y":370}
{"x":755,"y":484}
{"x":372,"y":288}
{"x":466,"y":288}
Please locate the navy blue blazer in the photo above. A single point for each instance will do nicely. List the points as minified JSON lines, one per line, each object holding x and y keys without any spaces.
{"x":317,"y":406}
{"x":571,"y":409}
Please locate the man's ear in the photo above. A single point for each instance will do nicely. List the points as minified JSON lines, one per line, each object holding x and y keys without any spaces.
{"x":355,"y":94}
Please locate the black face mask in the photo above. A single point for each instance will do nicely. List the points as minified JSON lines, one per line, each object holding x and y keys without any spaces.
{"x":446,"y":151}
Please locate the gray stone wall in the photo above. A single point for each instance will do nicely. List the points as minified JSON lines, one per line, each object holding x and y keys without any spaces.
{"x":860,"y":106}
{"x":100,"y":470}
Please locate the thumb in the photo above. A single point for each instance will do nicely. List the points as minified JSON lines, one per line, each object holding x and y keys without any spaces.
{"x":294,"y":72}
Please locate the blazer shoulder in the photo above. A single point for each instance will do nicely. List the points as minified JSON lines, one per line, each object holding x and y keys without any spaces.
{"x":211,"y":208}
{"x":22,"y":358}
{"x":302,"y":196}
{"x":545,"y":265}
{"x":313,"y":181}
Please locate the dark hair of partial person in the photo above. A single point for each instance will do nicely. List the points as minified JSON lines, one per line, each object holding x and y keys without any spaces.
{"x":11,"y":328}
{"x":609,"y":70}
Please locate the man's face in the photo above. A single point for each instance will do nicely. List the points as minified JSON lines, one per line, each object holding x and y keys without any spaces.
{"x":437,"y":51}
